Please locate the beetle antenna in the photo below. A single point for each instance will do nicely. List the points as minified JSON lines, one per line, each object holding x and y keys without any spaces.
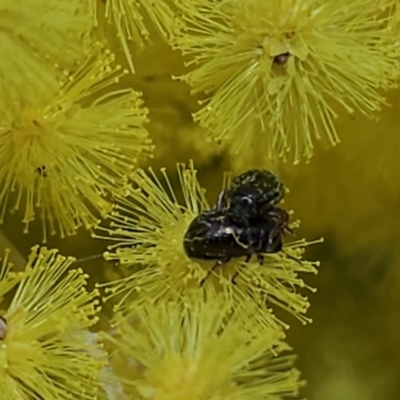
{"x":93,"y":257}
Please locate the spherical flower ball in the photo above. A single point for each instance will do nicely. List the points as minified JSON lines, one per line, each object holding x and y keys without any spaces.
{"x":46,"y":349}
{"x":63,"y":157}
{"x":148,"y":226}
{"x":201,"y":349}
{"x":285,"y":69}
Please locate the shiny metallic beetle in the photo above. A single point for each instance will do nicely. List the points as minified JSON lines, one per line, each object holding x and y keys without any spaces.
{"x":245,"y":221}
{"x":253,"y":193}
{"x":213,"y":236}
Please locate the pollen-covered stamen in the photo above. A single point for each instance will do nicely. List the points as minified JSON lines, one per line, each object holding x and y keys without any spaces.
{"x":128,"y":18}
{"x":45,"y":328}
{"x":199,"y":347}
{"x":65,"y":156}
{"x":285,"y":69}
{"x":275,"y":282}
{"x":152,"y":233}
{"x":8,"y":278}
{"x":148,"y":227}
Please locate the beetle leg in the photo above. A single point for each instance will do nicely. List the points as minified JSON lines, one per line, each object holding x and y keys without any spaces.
{"x":260,"y":242}
{"x":281,"y":218}
{"x":210,"y":271}
{"x":260,"y":259}
{"x":275,"y":246}
{"x":236,"y":274}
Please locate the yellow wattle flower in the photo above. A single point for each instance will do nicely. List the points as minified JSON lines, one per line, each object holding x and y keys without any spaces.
{"x":36,"y":36}
{"x":202,"y":349}
{"x":75,"y":147}
{"x":285,"y":69}
{"x":148,"y":226}
{"x":46,"y":349}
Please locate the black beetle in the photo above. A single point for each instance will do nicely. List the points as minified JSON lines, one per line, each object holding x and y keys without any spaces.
{"x":252,"y":194}
{"x":212,"y":235}
{"x":245,"y":221}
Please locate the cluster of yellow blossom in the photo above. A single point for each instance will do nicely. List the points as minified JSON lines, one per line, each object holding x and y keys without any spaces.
{"x":285,"y":69}
{"x":269,"y":79}
{"x":46,"y":349}
{"x":165,"y":290}
{"x":64,"y":154}
{"x":200,"y":348}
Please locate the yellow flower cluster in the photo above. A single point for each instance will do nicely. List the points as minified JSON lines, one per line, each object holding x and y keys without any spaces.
{"x":285,"y":69}
{"x":167,"y":290}
{"x":269,"y":80}
{"x":216,"y":353}
{"x":76,"y":145}
{"x":46,"y":349}
{"x":149,"y":225}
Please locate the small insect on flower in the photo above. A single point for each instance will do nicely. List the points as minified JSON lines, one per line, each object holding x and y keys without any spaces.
{"x":214,"y":236}
{"x":251,"y":191}
{"x":255,"y":193}
{"x":244,"y":222}
{"x":42,"y":171}
{"x":171,"y":245}
{"x":281,"y":59}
